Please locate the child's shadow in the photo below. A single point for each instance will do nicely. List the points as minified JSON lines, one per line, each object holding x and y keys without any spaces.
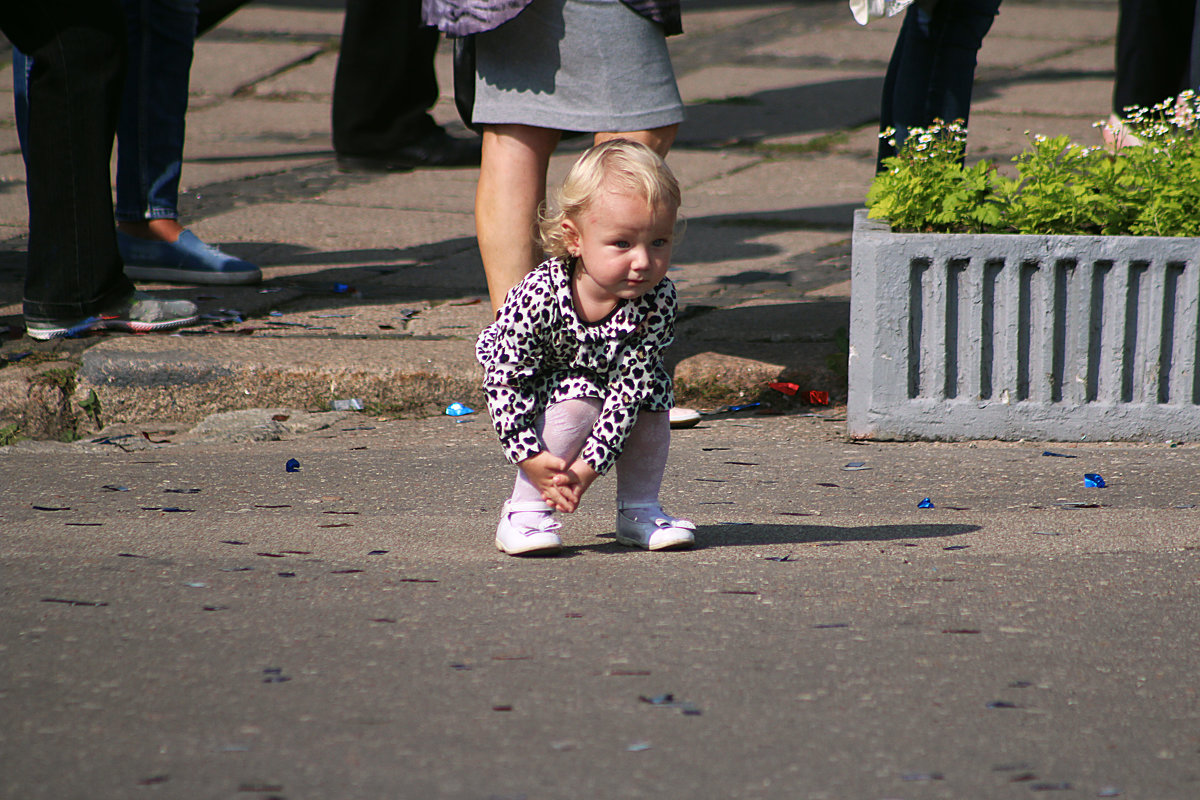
{"x":729,"y":535}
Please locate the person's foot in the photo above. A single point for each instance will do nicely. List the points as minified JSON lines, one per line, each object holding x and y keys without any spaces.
{"x":139,"y":314}
{"x":185,"y":260}
{"x":527,"y":529}
{"x":435,"y":149}
{"x":651,"y":528}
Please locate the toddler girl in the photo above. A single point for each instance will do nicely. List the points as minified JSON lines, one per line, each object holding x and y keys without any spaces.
{"x":573,"y":364}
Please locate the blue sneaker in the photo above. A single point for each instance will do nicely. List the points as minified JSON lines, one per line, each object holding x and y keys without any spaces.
{"x":187,"y":260}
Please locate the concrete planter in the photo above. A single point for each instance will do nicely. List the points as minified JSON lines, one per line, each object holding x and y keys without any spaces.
{"x":964,"y":336}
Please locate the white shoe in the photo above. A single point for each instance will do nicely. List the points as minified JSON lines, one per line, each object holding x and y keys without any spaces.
{"x":526,"y":541}
{"x":651,"y":528}
{"x":684,"y":417}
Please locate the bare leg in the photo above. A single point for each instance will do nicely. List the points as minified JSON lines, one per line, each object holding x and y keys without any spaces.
{"x":657,"y":139}
{"x":512,"y":185}
{"x":162,"y":230}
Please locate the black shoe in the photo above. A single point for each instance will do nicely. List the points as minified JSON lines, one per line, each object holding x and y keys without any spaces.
{"x":435,"y":149}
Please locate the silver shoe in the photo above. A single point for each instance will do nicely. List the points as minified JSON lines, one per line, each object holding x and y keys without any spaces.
{"x":660,"y":531}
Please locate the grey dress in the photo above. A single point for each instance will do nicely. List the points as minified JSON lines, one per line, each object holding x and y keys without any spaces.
{"x":576,"y":65}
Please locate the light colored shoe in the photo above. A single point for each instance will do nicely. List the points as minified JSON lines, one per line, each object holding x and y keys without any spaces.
{"x":651,"y":528}
{"x":684,"y":417}
{"x":140,"y":314}
{"x":519,"y":540}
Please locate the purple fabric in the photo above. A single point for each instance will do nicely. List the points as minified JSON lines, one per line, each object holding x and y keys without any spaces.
{"x":464,"y":17}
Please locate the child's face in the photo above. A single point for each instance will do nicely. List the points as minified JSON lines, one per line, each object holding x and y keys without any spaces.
{"x":623,"y":245}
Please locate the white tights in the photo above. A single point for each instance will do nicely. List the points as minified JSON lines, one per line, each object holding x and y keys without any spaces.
{"x":564,"y":429}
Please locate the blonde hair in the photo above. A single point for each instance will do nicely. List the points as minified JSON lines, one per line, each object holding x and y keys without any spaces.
{"x":620,"y":165}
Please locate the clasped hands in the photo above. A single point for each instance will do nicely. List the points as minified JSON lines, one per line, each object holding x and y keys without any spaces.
{"x":562,"y":485}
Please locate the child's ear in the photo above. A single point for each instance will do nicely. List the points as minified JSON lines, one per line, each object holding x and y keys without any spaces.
{"x":571,"y":236}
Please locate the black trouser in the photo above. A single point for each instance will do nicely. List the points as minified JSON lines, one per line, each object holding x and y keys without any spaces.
{"x":385,"y":83}
{"x":1156,"y":52}
{"x":931,"y":74}
{"x":78,"y":48}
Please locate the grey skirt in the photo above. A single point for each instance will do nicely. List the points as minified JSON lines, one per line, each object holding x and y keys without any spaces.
{"x":576,"y":65}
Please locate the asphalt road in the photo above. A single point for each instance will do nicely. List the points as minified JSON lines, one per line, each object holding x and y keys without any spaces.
{"x":213,"y":626}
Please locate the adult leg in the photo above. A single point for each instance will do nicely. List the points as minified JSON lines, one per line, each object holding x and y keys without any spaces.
{"x":1194,"y":51}
{"x":910,"y":71}
{"x":932,"y":74}
{"x":78,"y":51}
{"x":511,"y":188}
{"x":1153,"y":46}
{"x":657,"y":139}
{"x":212,"y":12}
{"x":150,"y":138}
{"x":960,"y":27}
{"x":150,"y":135}
{"x":383,"y":89}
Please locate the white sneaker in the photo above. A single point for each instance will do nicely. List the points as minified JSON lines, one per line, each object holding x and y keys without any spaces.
{"x":521,"y":540}
{"x":684,"y":417}
{"x":651,"y":528}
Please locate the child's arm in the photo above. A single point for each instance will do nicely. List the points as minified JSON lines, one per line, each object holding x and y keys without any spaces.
{"x":548,"y":473}
{"x":511,"y":352}
{"x":570,"y":484}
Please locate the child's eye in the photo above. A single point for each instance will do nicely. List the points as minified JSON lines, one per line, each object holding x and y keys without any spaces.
{"x":661,"y":242}
{"x":621,"y":243}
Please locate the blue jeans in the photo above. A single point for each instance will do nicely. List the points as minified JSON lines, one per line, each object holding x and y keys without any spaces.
{"x":932,"y":70}
{"x":150,"y":131}
{"x":74,"y":269}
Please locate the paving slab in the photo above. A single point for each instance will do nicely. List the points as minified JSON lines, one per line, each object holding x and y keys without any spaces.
{"x":777,"y":151}
{"x":222,"y":68}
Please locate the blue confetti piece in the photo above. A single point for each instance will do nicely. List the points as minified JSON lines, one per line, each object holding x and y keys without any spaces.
{"x":458,"y":410}
{"x":341,"y":288}
{"x":292,"y":465}
{"x":1093,"y":481}
{"x":926,"y":503}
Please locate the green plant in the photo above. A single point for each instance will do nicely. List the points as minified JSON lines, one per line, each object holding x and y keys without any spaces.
{"x":91,"y":407}
{"x":9,"y":434}
{"x":838,"y":361}
{"x":1151,"y":189}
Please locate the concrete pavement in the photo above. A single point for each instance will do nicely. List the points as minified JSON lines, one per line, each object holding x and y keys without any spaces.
{"x":181,"y":617}
{"x":373,"y":283}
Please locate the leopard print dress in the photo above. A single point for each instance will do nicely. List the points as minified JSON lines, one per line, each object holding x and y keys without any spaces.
{"x":540,"y":352}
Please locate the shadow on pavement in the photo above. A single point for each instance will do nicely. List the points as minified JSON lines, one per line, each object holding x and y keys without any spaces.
{"x":742,"y":535}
